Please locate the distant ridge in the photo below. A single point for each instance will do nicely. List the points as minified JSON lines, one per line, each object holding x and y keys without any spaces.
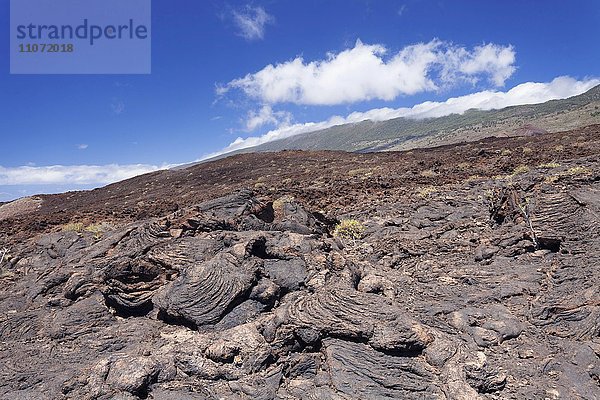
{"x":405,"y":133}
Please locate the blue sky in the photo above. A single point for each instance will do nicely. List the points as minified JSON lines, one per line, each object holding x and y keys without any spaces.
{"x":210,"y":82}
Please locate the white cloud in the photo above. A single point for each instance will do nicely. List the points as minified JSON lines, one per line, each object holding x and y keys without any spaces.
{"x":266,"y":116}
{"x":73,"y":174}
{"x":251,"y":22}
{"x":497,"y":61}
{"x":82,"y":146}
{"x":525,"y":93}
{"x":366,"y":72}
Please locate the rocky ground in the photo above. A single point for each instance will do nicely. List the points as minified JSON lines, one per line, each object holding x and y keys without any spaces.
{"x":476,"y":277}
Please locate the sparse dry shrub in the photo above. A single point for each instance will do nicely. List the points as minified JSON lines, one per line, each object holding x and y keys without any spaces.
{"x":76,"y":227}
{"x":97,"y":230}
{"x":549,"y":165}
{"x":521,"y":169}
{"x":551,"y":179}
{"x":579,"y":171}
{"x":351,"y":229}
{"x":278,"y":205}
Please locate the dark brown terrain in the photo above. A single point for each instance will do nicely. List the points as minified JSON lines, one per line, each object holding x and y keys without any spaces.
{"x":476,"y":277}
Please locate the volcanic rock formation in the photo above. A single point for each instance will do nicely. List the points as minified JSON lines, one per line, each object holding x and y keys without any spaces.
{"x":487,"y":288}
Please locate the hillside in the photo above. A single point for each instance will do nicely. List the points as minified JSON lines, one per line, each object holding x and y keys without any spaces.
{"x":403,"y":133}
{"x":474,"y":276}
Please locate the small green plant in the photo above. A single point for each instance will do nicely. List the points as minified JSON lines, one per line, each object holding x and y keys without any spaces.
{"x":279,"y":205}
{"x":96,"y":230}
{"x":349,"y":229}
{"x":549,"y":165}
{"x":521,"y":169}
{"x":579,"y":171}
{"x":76,"y":227}
{"x":280,"y":202}
{"x":472,"y":178}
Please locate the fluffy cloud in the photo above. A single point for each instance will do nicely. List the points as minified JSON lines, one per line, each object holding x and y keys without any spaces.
{"x":366,"y":72}
{"x":526,"y":93}
{"x":73,"y":175}
{"x":457,"y":64}
{"x":496,"y":61}
{"x":251,"y":22}
{"x":266,"y":116}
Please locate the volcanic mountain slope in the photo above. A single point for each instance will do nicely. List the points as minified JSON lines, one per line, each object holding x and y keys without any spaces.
{"x":409,"y":133}
{"x":476,"y":277}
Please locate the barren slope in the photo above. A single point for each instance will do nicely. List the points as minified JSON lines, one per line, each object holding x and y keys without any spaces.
{"x":406,"y":133}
